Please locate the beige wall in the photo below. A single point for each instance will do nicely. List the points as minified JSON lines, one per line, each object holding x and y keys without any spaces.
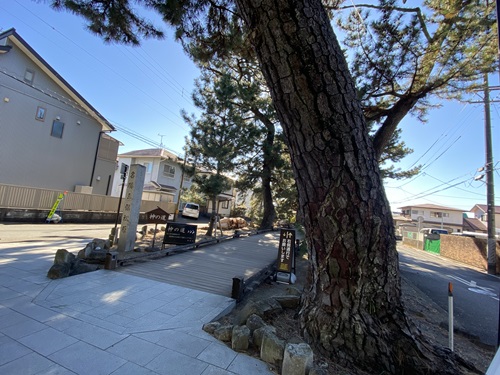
{"x":29,"y":155}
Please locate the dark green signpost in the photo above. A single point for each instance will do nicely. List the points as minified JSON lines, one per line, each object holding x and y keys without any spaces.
{"x":286,"y":256}
{"x":157,"y":216}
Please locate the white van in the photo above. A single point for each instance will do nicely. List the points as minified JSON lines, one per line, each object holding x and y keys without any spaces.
{"x":433,"y":231}
{"x":191,"y":210}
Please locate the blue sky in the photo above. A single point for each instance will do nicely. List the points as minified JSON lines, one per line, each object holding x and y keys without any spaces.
{"x":143,"y":89}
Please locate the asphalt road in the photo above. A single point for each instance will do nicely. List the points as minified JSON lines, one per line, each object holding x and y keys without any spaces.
{"x":14,"y":232}
{"x":475,"y":293}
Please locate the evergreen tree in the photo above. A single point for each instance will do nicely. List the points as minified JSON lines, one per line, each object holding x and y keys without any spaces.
{"x":403,"y":56}
{"x":213,"y":142}
{"x":352,"y":309}
{"x":252,"y":104}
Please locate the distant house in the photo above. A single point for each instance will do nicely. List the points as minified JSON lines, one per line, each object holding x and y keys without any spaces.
{"x":474,"y":225}
{"x":50,"y":136}
{"x":480,"y":212}
{"x":163,"y":173}
{"x":434,"y":216}
{"x":163,"y":179}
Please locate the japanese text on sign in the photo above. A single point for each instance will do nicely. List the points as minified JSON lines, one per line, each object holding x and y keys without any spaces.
{"x":285,"y":250}
{"x":180,"y":234}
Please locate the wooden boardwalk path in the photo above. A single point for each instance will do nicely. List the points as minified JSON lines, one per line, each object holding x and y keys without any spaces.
{"x":211,"y":268}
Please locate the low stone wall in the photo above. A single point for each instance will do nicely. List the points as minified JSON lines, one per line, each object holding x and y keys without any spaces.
{"x":468,"y":250}
{"x":39,"y":216}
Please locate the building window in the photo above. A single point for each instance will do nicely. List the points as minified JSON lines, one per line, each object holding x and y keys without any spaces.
{"x":417,"y":212}
{"x":439,"y":214}
{"x":168,"y":171}
{"x":149,"y":167}
{"x":225,"y":204}
{"x":57,"y":129}
{"x":28,"y":76}
{"x":40,"y":113}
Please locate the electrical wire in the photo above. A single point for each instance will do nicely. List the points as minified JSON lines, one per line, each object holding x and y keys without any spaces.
{"x":108,"y":67}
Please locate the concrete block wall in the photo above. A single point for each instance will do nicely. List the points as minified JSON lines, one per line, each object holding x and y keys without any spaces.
{"x":468,"y":250}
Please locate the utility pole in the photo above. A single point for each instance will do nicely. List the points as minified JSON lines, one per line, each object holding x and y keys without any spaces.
{"x":180,"y":188}
{"x":490,"y":186}
{"x":161,"y":139}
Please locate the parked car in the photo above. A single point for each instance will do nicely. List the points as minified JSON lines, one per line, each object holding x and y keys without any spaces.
{"x":191,"y":210}
{"x":433,"y":231}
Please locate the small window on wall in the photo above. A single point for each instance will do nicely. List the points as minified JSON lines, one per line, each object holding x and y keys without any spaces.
{"x":168,"y":171}
{"x":40,"y":113}
{"x":28,"y":76}
{"x":149,"y":167}
{"x":225,"y":204}
{"x":57,"y":129}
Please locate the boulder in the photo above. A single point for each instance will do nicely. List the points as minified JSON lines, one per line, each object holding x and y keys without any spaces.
{"x":85,"y":252}
{"x":95,"y":250}
{"x":211,"y":327}
{"x":297,"y":359}
{"x":240,"y":338}
{"x":78,"y":267}
{"x":272,"y":349}
{"x":67,"y":264}
{"x":263,"y":309}
{"x":255,"y":322}
{"x":58,"y":271}
{"x":63,"y":256}
{"x":223,"y":333}
{"x":259,"y":333}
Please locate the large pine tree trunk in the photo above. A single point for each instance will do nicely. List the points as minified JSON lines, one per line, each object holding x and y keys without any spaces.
{"x":352,"y":309}
{"x":269,"y":214}
{"x":211,"y":224}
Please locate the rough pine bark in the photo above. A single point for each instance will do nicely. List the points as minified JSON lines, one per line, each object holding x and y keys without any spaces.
{"x":352,"y":309}
{"x":211,"y":224}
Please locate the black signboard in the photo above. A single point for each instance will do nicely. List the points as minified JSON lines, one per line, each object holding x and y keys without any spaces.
{"x":157,"y":216}
{"x":180,"y":234}
{"x":286,"y":250}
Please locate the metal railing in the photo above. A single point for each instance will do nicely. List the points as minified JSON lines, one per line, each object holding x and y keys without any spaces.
{"x":23,"y":197}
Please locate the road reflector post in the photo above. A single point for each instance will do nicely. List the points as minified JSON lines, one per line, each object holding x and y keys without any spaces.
{"x":450,"y":316}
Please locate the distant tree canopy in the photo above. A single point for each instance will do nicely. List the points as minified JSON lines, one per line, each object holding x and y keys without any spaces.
{"x":400,"y":55}
{"x":213,"y":141}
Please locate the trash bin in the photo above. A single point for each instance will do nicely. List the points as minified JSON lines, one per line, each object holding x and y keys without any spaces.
{"x":111,"y":260}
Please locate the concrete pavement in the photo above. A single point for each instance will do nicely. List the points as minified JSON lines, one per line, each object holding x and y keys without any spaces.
{"x":105,"y":322}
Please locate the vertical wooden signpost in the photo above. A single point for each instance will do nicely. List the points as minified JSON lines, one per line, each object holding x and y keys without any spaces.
{"x":286,"y":256}
{"x":157,"y":216}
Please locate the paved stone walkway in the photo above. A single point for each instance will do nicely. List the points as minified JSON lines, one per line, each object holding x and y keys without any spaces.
{"x":105,"y":322}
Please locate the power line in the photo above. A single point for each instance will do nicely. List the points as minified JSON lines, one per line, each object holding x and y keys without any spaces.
{"x":108,"y":67}
{"x":423,"y":195}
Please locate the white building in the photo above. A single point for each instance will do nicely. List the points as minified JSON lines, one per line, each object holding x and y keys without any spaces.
{"x":434,"y":216}
{"x":163,"y":179}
